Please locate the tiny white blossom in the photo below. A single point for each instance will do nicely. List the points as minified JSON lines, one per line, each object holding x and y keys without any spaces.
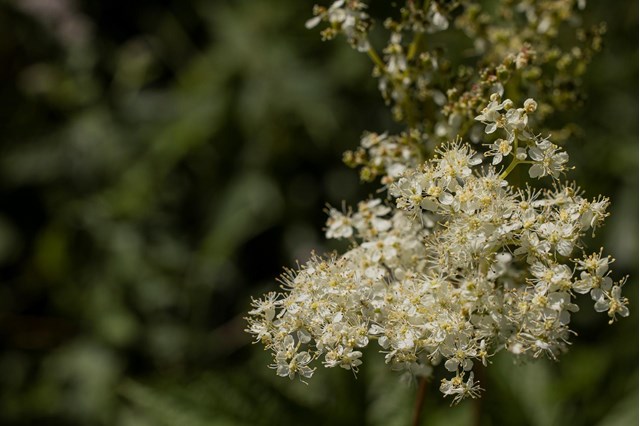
{"x":499,"y":149}
{"x":339,"y":225}
{"x":548,"y":159}
{"x":459,"y":388}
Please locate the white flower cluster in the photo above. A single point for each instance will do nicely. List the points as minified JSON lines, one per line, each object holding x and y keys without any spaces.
{"x":463,"y":265}
{"x":457,"y":263}
{"x":386,"y":155}
{"x":332,"y":306}
{"x":346,"y":17}
{"x":404,"y":79}
{"x":546,"y":158}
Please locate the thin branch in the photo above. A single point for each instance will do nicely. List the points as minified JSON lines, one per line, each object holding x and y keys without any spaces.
{"x":376,"y":59}
{"x":477,"y":402}
{"x":420,"y":397}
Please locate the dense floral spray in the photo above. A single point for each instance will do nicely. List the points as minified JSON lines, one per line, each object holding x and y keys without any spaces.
{"x":459,"y":260}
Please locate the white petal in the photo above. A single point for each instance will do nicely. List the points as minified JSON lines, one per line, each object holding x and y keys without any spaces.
{"x":312,"y":22}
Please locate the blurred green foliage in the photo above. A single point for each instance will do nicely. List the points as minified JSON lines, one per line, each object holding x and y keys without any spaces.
{"x":162,"y":159}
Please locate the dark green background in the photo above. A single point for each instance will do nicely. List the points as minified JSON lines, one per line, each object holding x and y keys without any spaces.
{"x":162,"y":160}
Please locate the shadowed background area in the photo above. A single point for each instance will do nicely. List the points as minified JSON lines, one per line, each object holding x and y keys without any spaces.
{"x":162,"y":160}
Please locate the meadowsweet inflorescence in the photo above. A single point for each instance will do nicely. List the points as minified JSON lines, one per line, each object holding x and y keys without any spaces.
{"x":457,"y":262}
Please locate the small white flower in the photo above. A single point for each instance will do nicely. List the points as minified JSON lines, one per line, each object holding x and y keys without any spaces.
{"x":491,"y":116}
{"x":499,"y":149}
{"x":548,"y":160}
{"x":530,"y":105}
{"x":339,"y":225}
{"x":459,"y":388}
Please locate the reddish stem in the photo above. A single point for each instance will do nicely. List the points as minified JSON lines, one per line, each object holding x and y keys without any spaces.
{"x":417,"y":410}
